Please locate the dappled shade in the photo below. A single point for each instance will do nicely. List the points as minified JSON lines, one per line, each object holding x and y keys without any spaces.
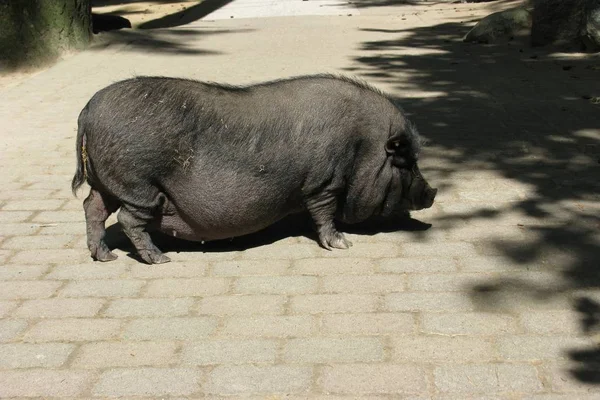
{"x":525,"y":115}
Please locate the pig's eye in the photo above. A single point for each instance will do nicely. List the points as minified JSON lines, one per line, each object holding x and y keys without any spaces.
{"x":402,"y":162}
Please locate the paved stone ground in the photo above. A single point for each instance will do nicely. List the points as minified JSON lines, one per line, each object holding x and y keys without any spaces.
{"x":498,"y":299}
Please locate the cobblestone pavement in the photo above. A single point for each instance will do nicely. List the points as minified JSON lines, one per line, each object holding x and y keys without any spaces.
{"x":498,"y":299}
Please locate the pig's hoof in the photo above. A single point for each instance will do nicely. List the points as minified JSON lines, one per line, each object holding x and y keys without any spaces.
{"x":105,"y":257}
{"x":154,"y":257}
{"x":336,"y":241}
{"x":102,"y":253}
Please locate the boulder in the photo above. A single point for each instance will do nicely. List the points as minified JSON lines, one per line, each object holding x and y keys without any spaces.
{"x":591,"y":34}
{"x":502,"y":26}
{"x":561,"y":22}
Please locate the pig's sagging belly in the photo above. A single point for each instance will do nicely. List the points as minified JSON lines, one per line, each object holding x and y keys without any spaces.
{"x":216,"y":209}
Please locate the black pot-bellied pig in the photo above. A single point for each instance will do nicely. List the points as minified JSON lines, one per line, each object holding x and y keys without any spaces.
{"x":204,"y":161}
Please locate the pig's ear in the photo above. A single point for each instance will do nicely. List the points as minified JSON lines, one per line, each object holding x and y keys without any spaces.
{"x":397,"y":144}
{"x":398,"y":147}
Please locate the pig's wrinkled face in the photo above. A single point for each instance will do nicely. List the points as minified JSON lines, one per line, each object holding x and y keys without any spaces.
{"x":408,"y":189}
{"x":417,"y":194}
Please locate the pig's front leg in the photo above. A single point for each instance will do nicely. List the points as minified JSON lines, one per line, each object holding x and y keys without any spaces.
{"x":322,"y":208}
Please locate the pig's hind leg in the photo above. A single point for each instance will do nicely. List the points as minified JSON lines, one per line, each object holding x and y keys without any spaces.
{"x":322,"y":209}
{"x":135,"y":220}
{"x":98,"y":207}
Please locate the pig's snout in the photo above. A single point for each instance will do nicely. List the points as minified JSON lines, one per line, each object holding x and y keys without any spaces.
{"x":428,"y":196}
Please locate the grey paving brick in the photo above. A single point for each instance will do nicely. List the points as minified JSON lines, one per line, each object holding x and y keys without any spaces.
{"x":15,"y":290}
{"x":123,"y":308}
{"x":270,"y":326}
{"x":424,"y":301}
{"x":14,"y":216}
{"x":124,"y":354}
{"x":22,"y":272}
{"x":5,"y":255}
{"x":20,"y":355}
{"x":530,"y":348}
{"x":23,"y":228}
{"x":102,"y":288}
{"x":59,"y":308}
{"x":420,"y":265}
{"x":59,"y":216}
{"x":363,"y":284}
{"x":175,"y":270}
{"x":229,"y":351}
{"x":11,"y":328}
{"x":73,"y":330}
{"x":249,"y":379}
{"x":487,"y":378}
{"x":369,"y":250}
{"x":468,"y":323}
{"x":552,"y":322}
{"x":354,"y":379}
{"x":43,"y":383}
{"x":333,"y":266}
{"x":488,"y":264}
{"x":281,"y":252}
{"x":445,"y":282}
{"x":369,"y":324}
{"x":59,"y":228}
{"x":170,"y":328}
{"x":334,"y":350}
{"x":47,"y":256}
{"x":87,"y":271}
{"x":333,"y":303}
{"x":275,"y":285}
{"x":187,"y":287}
{"x":560,"y":375}
{"x":26,"y":194}
{"x":148,"y":382}
{"x":250,"y":267}
{"x":446,"y":249}
{"x":242,"y":305}
{"x":38,"y":242}
{"x":443,"y":349}
{"x":557,"y":396}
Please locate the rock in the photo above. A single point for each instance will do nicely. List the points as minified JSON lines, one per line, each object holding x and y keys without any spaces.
{"x":560,"y":22}
{"x":501,"y":26}
{"x":591,"y":34}
{"x":557,"y":21}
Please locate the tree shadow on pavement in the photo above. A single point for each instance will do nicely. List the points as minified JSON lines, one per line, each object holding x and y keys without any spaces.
{"x":186,"y":16}
{"x":149,"y":36}
{"x":527,"y":116}
{"x":172,"y":41}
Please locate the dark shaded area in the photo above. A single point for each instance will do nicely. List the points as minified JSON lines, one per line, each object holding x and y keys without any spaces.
{"x":297,"y":225}
{"x":182,"y":17}
{"x":163,"y":41}
{"x":525,"y":115}
{"x":102,"y":3}
{"x":186,"y":16}
{"x":389,"y":3}
{"x":159,"y":40}
{"x":108,"y":22}
{"x":588,"y":367}
{"x":381,"y":3}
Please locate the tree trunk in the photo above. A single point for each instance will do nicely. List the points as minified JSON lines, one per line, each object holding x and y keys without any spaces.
{"x":34,"y":32}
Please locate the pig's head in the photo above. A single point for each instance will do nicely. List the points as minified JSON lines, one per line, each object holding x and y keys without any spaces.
{"x":407,"y":189}
{"x":386,"y":180}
